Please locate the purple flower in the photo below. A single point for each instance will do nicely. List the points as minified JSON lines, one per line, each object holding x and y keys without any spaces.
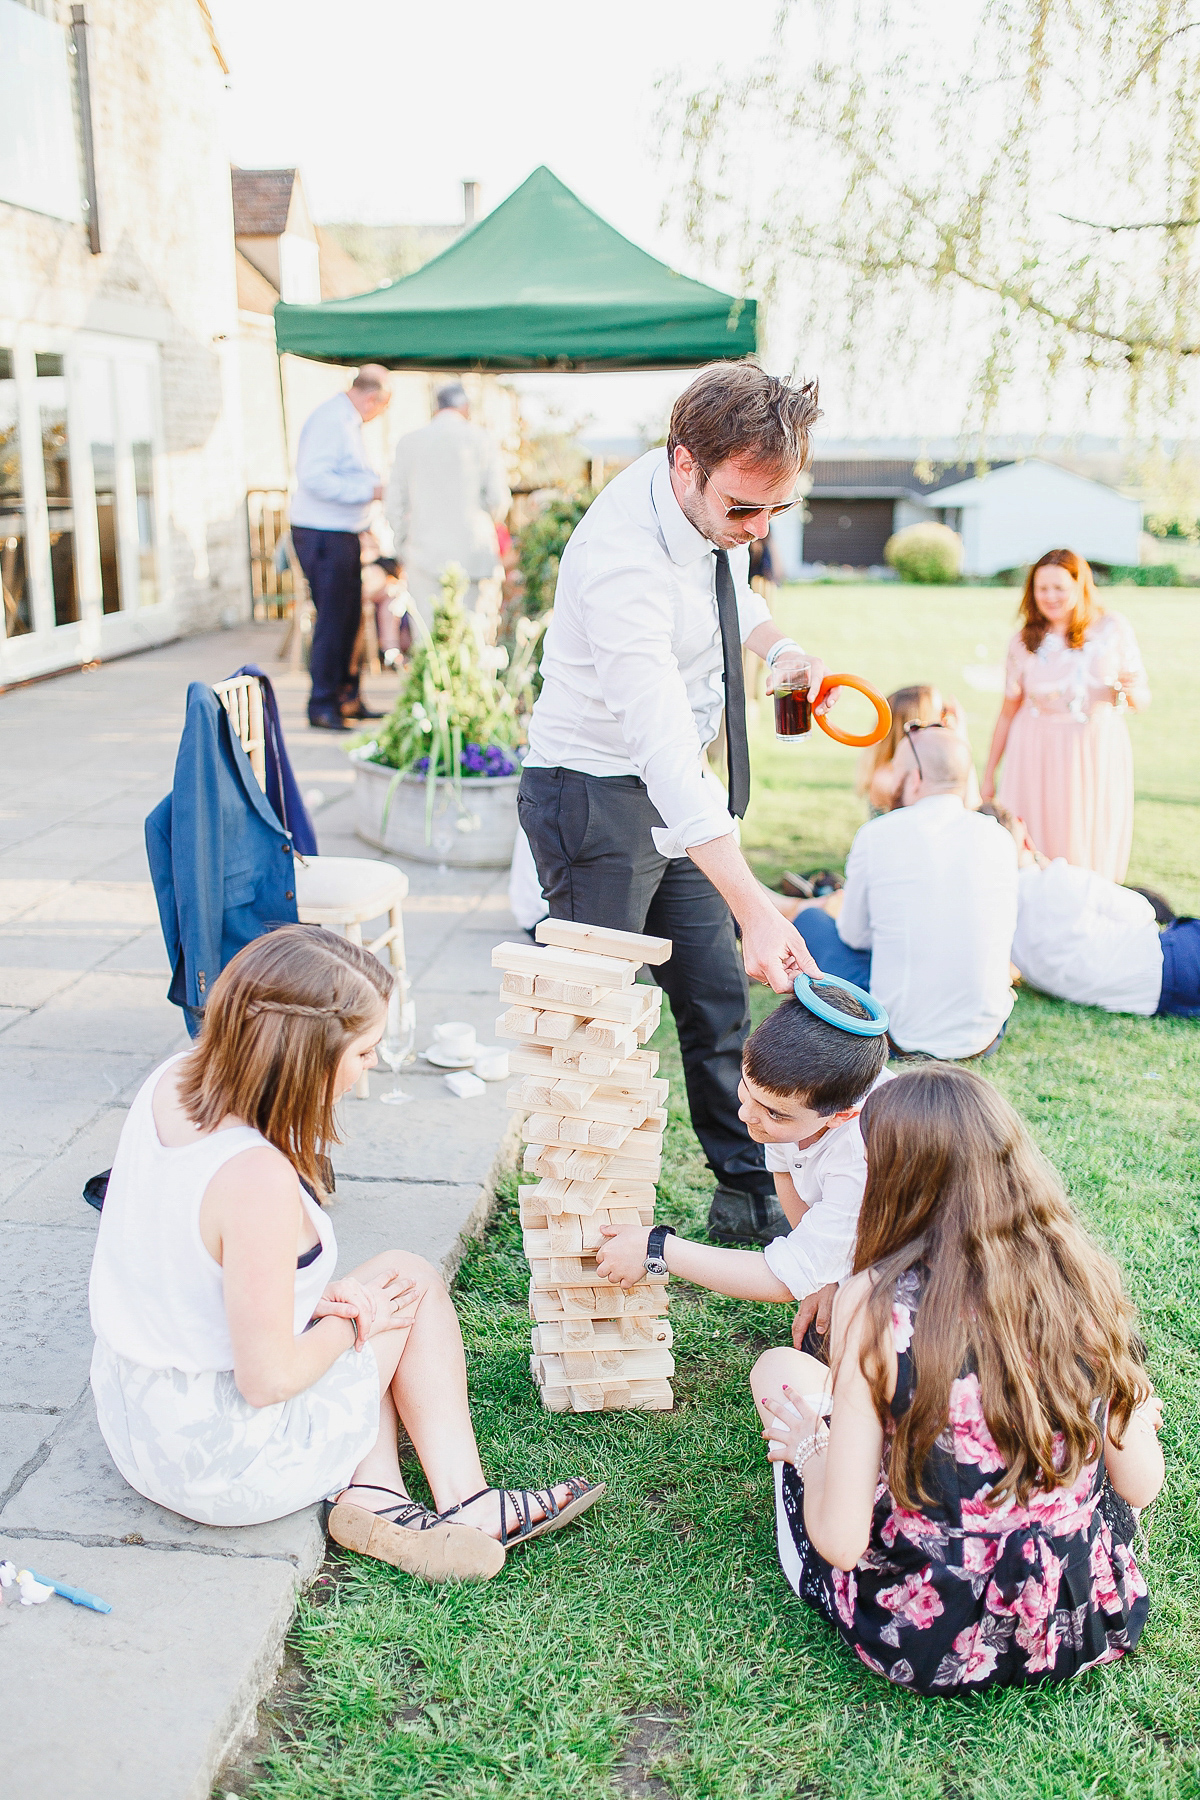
{"x":477,"y":760}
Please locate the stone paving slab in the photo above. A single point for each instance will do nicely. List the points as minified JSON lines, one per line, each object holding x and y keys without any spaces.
{"x":145,"y":1704}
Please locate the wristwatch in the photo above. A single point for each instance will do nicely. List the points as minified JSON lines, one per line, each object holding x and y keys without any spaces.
{"x":654,"y":1249}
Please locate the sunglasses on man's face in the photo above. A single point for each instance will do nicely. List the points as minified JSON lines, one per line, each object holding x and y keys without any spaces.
{"x":910,"y":732}
{"x":741,"y":510}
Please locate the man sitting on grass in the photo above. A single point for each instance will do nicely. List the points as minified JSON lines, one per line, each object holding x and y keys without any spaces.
{"x":1082,"y":937}
{"x":803,"y":1084}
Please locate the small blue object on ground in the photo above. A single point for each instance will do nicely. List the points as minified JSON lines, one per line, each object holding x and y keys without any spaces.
{"x":77,"y":1596}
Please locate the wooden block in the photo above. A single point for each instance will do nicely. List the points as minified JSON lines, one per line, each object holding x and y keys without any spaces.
{"x":576,"y":965}
{"x":605,"y":1137}
{"x":634,"y":1329}
{"x":656,"y":1120}
{"x":645,"y":1144}
{"x":588,"y":1396}
{"x":573,"y":1130}
{"x":571,"y":934}
{"x":531,"y":1094}
{"x":518,"y":1021}
{"x":645,"y":1029}
{"x":547,"y":1159}
{"x":572,"y":1093}
{"x":626,"y":1333}
{"x":567,"y":1270}
{"x":517,"y":984}
{"x":574,"y":993}
{"x":627,"y":1009}
{"x":542,"y":1128}
{"x":606,"y":1363}
{"x":638,"y":1193}
{"x":587,"y":1165}
{"x":557,"y":1027}
{"x":635,"y":1396}
{"x":607,"y":1034}
{"x":533,"y":1217}
{"x":564,"y":1237}
{"x":532,"y":1059}
{"x":560,"y":1196}
{"x":631,"y":1168}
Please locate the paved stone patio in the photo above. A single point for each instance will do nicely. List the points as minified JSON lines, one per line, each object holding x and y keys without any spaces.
{"x":144,"y":1703}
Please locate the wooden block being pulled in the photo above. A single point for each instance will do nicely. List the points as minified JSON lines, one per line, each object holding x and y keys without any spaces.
{"x":572,"y":934}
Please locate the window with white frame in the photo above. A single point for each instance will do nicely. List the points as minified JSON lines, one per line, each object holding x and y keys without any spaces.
{"x":39,"y":156}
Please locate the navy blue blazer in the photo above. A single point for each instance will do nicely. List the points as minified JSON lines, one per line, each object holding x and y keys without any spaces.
{"x":222,"y":865}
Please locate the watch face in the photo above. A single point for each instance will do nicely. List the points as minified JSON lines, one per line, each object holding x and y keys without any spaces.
{"x":656,"y":1266}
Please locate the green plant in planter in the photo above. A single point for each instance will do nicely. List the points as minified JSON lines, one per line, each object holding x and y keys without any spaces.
{"x":454,"y":716}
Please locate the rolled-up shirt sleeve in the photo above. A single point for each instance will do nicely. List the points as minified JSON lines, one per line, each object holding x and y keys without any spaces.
{"x":628,"y":620}
{"x":820,"y":1249}
{"x":854,"y":920}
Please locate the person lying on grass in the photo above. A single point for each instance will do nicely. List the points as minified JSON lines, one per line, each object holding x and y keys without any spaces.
{"x":803,"y":1084}
{"x":966,"y":1519}
{"x":235,"y":1379}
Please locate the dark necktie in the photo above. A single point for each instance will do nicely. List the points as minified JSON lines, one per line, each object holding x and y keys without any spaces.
{"x":737,"y":749}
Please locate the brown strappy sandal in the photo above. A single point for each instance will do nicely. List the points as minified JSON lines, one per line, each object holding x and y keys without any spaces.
{"x":410,"y":1537}
{"x":583,"y":1494}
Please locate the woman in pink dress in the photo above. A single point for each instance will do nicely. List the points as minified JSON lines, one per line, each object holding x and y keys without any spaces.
{"x":1072,"y":670}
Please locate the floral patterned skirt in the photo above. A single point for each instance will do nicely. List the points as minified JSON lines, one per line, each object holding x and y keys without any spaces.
{"x":942,"y":1610}
{"x":191,"y":1443}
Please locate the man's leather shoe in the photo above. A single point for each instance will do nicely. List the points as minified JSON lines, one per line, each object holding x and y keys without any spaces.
{"x":358,"y":711}
{"x":328,"y":721}
{"x":737,"y":1216}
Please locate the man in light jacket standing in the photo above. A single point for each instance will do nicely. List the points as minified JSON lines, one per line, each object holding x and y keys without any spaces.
{"x":335,"y":490}
{"x":447,"y":493}
{"x":652,"y":608}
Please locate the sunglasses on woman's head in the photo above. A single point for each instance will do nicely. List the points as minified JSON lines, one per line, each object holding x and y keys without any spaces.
{"x":741,"y":510}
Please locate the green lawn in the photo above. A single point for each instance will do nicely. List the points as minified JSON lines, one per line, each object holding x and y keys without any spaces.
{"x":656,"y":1650}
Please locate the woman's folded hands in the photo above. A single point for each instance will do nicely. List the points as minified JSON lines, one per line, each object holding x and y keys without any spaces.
{"x":374,"y":1305}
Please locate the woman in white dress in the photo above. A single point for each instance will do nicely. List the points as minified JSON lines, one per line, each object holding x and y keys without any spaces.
{"x":235,"y":1380}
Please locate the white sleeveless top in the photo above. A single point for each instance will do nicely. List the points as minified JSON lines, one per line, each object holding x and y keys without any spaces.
{"x":156,"y":1294}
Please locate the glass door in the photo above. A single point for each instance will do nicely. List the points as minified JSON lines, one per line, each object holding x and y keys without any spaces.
{"x":18,"y":610}
{"x":56,"y":467}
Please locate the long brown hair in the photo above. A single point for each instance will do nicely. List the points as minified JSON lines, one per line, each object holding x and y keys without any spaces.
{"x":1013,"y":1286}
{"x":277,"y":1023}
{"x":1087,"y":607}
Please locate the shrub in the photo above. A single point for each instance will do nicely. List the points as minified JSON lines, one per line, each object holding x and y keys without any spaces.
{"x":925,"y":553}
{"x":541,"y":545}
{"x":1145,"y":575}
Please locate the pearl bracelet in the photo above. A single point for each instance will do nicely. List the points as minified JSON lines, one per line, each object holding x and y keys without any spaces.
{"x":777,"y":649}
{"x":806,"y":1449}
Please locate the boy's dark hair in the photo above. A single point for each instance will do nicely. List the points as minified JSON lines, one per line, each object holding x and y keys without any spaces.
{"x":796,"y":1055}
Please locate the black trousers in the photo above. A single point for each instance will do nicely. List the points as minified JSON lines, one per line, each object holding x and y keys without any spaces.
{"x":597,"y":863}
{"x":332,"y":564}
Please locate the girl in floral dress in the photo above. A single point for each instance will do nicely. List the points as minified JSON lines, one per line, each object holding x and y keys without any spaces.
{"x":966,"y":1519}
{"x":1072,"y":670}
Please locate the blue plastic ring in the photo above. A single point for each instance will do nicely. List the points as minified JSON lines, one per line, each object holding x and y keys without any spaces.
{"x":875,"y":1026}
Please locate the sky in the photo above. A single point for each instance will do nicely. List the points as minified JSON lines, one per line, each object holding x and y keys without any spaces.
{"x":387,"y":107}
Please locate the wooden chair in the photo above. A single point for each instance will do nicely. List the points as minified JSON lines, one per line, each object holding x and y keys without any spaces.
{"x":342,"y":892}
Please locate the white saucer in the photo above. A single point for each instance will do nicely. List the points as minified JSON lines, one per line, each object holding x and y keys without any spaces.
{"x":441,"y":1059}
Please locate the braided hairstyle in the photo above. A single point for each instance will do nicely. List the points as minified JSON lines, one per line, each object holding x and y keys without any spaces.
{"x":278,"y":1022}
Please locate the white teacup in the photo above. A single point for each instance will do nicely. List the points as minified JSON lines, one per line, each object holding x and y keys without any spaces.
{"x":455,"y":1038}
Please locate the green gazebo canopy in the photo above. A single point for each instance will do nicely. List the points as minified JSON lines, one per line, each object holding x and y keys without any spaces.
{"x":541,"y":283}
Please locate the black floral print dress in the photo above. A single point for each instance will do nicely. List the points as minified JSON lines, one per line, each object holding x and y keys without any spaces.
{"x":964,"y":1596}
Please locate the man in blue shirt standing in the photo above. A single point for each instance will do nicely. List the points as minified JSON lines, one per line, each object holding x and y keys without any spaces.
{"x":335,"y":489}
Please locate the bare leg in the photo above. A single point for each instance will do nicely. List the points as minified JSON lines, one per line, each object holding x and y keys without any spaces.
{"x":423,"y":1376}
{"x":781,"y":1366}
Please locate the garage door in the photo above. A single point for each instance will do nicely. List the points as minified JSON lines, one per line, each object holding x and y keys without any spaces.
{"x":847,"y":531}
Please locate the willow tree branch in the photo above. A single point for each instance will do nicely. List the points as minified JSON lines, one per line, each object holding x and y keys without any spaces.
{"x":1149,"y":225}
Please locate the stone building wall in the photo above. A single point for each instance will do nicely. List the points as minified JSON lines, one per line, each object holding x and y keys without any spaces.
{"x":165,"y":273}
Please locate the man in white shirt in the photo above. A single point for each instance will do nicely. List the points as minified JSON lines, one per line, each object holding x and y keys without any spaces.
{"x":335,"y":489}
{"x":644,"y":649}
{"x":931,"y":895}
{"x":1083,"y":938}
{"x":446,"y":495}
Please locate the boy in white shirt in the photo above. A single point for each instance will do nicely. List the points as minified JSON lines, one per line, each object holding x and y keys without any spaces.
{"x":804,"y":1083}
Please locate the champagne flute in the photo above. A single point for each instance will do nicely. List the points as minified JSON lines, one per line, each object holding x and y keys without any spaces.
{"x":399,"y":1035}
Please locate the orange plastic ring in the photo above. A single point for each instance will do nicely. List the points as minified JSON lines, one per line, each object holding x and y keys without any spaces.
{"x":883,"y":721}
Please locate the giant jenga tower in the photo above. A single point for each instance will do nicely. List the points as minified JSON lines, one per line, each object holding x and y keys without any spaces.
{"x":594,"y":1117}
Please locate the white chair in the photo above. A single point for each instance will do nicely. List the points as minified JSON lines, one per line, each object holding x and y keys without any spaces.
{"x":342,"y":892}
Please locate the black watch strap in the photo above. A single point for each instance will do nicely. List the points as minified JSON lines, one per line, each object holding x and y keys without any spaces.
{"x":657,"y":1238}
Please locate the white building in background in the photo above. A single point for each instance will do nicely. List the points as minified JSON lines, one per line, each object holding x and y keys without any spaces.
{"x":1012,"y":515}
{"x":122,"y":484}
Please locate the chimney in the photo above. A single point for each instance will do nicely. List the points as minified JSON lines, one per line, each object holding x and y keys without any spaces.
{"x":470,"y":203}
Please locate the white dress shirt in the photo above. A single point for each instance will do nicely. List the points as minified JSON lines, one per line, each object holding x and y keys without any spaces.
{"x":829,"y":1177}
{"x":446,"y":490}
{"x":632,"y":680}
{"x":1083,"y":938}
{"x":335,"y":484}
{"x":931,"y":892}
